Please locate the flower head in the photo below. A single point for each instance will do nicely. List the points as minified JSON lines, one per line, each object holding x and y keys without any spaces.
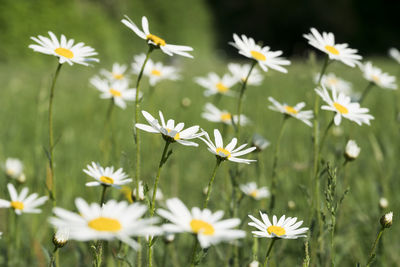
{"x":117,"y":73}
{"x":264,"y":57}
{"x":240,"y":72}
{"x":387,"y":220}
{"x":208,"y":226}
{"x":213,"y":114}
{"x":326,"y":43}
{"x":251,"y":190}
{"x":106,"y":176}
{"x":22,"y":203}
{"x":352,"y":150}
{"x":383,"y":203}
{"x":395,"y":54}
{"x":140,"y":196}
{"x":61,"y":236}
{"x":379,"y":78}
{"x":330,"y":81}
{"x":285,"y":228}
{"x":259,"y":142}
{"x":293,"y":111}
{"x":342,"y":105}
{"x":64,"y":49}
{"x":217,"y":85}
{"x":14,"y":168}
{"x":155,"y":40}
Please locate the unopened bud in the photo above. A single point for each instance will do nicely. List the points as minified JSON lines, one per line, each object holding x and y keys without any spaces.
{"x":352,"y":150}
{"x":186,"y":102}
{"x":60,"y":238}
{"x":291,"y":204}
{"x":254,"y":264}
{"x":383,"y":203}
{"x":387,"y":219}
{"x":169,"y":238}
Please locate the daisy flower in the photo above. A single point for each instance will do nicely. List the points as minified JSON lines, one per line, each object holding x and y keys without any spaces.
{"x":13,"y":168}
{"x":114,"y":220}
{"x":240,"y":72}
{"x":285,"y":228}
{"x":155,"y":40}
{"x":395,"y":54}
{"x":326,"y":43}
{"x":106,"y":176}
{"x":342,"y":105}
{"x":251,"y":190}
{"x":159,"y":194}
{"x":217,"y":85}
{"x":229,"y":152}
{"x":170,"y":131}
{"x":213,"y":114}
{"x":118,"y":90}
{"x":64,"y":49}
{"x":208,"y":226}
{"x":22,"y":203}
{"x":352,"y":150}
{"x":117,"y":73}
{"x":379,"y":78}
{"x":259,"y":142}
{"x":264,"y":57}
{"x":330,"y":80}
{"x":61,"y":237}
{"x":293,"y":111}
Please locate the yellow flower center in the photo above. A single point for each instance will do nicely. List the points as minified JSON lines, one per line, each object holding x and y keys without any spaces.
{"x":127,"y":192}
{"x":18,"y":205}
{"x":221,"y":88}
{"x":115,"y":93}
{"x":331,"y":50}
{"x":342,"y":109}
{"x":118,"y":76}
{"x":64,"y":52}
{"x":157,"y":40}
{"x":332,"y":81}
{"x":104,"y":224}
{"x":375,"y":78}
{"x":226,"y":116}
{"x":254,"y":193}
{"x":176,"y":137}
{"x":222,"y":152}
{"x":106,"y":180}
{"x":10,"y":172}
{"x":291,"y":110}
{"x":257,"y":55}
{"x":199,"y":226}
{"x":156,"y":72}
{"x":277,"y":230}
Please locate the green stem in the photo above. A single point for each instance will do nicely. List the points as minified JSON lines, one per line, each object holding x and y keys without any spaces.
{"x":53,"y":256}
{"x":107,"y":142}
{"x":211,"y":181}
{"x":371,"y":253}
{"x":269,"y":251}
{"x":321,"y":145}
{"x":103,"y":195}
{"x":255,"y":249}
{"x":365,"y":92}
{"x":194,"y":252}
{"x":333,"y":241}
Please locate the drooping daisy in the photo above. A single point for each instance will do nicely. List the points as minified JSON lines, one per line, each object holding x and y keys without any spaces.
{"x":293,"y":111}
{"x":213,"y":114}
{"x":64,"y":49}
{"x":330,"y":80}
{"x":208,"y":226}
{"x":117,"y":73}
{"x":395,"y":54}
{"x":240,"y":72}
{"x":285,"y":228}
{"x":155,"y":40}
{"x":13,"y":168}
{"x":229,"y":152}
{"x":22,"y":203}
{"x":259,"y":142}
{"x":326,"y":43}
{"x":379,"y":78}
{"x":170,"y":131}
{"x":251,"y":190}
{"x":217,"y":85}
{"x":265,"y":58}
{"x":114,"y":220}
{"x":106,"y":176}
{"x":342,"y":105}
{"x":118,"y":90}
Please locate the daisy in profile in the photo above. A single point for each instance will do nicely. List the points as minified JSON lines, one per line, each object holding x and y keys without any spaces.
{"x":118,"y":90}
{"x":118,"y":72}
{"x":228,"y":152}
{"x":293,"y":111}
{"x":13,"y":168}
{"x":22,"y":203}
{"x":106,"y":176}
{"x":284,"y":228}
{"x":342,"y":105}
{"x":208,"y":226}
{"x":330,"y":80}
{"x":240,"y":72}
{"x":377,"y":77}
{"x":64,"y":49}
{"x":326,"y":43}
{"x":133,"y":195}
{"x":395,"y":54}
{"x":169,"y":131}
{"x":213,"y":114}
{"x":264,"y":57}
{"x":217,"y":85}
{"x":155,"y":40}
{"x":251,"y":190}
{"x":259,"y":142}
{"x":114,"y":220}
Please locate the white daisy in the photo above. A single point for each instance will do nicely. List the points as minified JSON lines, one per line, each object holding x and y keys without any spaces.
{"x":217,"y":85}
{"x":265,"y":58}
{"x":117,"y":73}
{"x":352,"y":150}
{"x":240,"y":72}
{"x":170,"y":131}
{"x":13,"y":168}
{"x":156,"y":41}
{"x":259,"y":142}
{"x":114,"y":220}
{"x":293,"y":111}
{"x":251,"y":190}
{"x":118,"y":90}
{"x":395,"y":54}
{"x":64,"y":49}
{"x":285,"y":228}
{"x":229,"y":152}
{"x":342,"y":105}
{"x":61,"y":236}
{"x":208,"y":226}
{"x":330,"y":80}
{"x":213,"y":114}
{"x":106,"y":176}
{"x":22,"y":203}
{"x":159,"y":194}
{"x":379,"y":78}
{"x":326,"y":43}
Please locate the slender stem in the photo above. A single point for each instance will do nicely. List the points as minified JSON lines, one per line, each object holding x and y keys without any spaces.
{"x":52,"y":182}
{"x":107,"y":142}
{"x":371,"y":253}
{"x":366,"y":91}
{"x":333,"y":241}
{"x":321,"y":145}
{"x":53,"y":256}
{"x":210,"y":183}
{"x":269,"y":251}
{"x":103,"y":195}
{"x":255,"y":249}
{"x":194,"y":252}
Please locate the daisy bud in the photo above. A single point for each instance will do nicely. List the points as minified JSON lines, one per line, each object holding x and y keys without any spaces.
{"x":387,"y":219}
{"x":383,"y":203}
{"x":337,"y":131}
{"x":22,"y":178}
{"x":259,"y":142}
{"x":291,"y":205}
{"x":169,"y":238}
{"x":60,"y":238}
{"x":254,"y":264}
{"x":352,"y":150}
{"x":186,"y":102}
